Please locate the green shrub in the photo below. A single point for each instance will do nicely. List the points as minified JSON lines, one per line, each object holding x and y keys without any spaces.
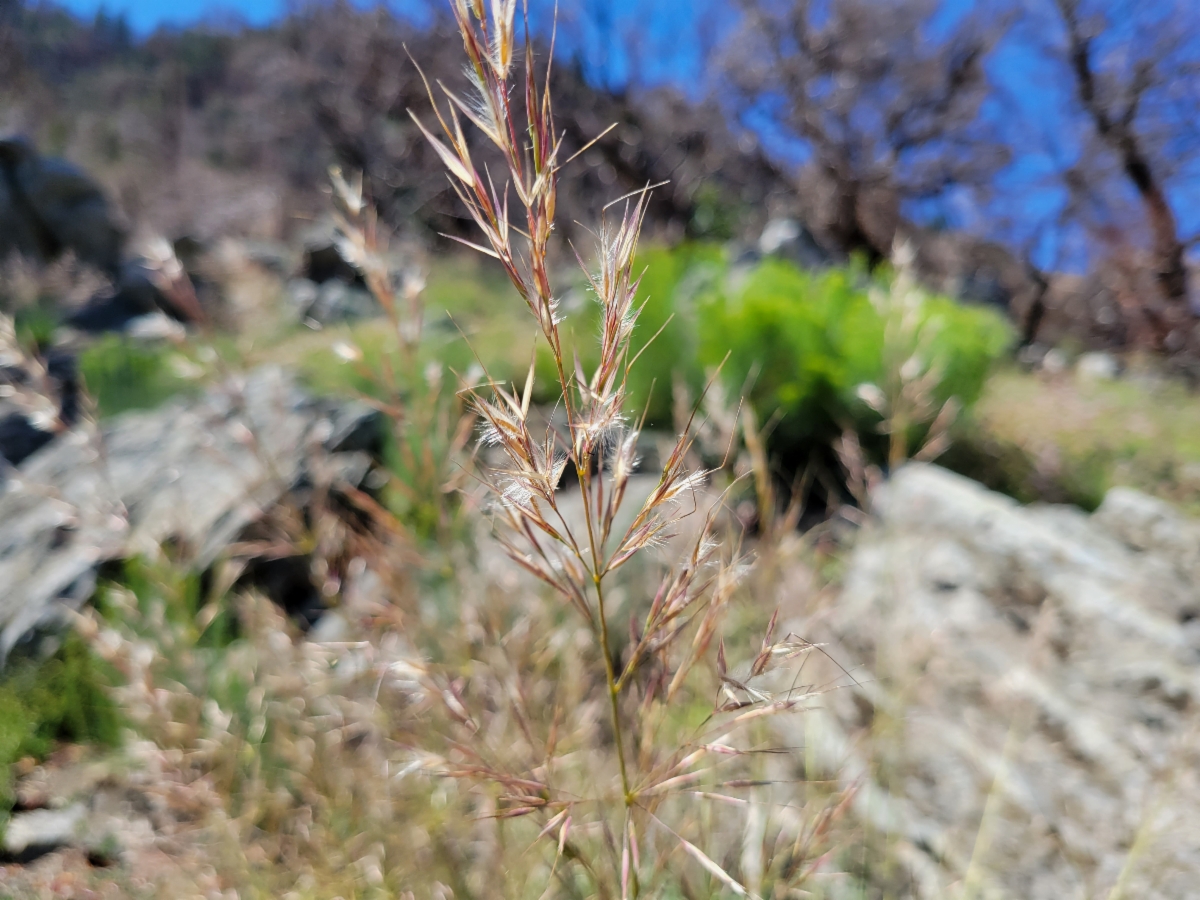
{"x":799,"y":343}
{"x":966,"y":343}
{"x":62,"y":698}
{"x":672,"y":282}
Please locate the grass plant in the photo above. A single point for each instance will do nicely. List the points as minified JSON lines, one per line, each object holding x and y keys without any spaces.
{"x":610,"y":834}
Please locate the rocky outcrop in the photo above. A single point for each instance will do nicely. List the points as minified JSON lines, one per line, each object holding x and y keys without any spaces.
{"x":48,"y":207}
{"x":1028,"y":692}
{"x":196,"y":472}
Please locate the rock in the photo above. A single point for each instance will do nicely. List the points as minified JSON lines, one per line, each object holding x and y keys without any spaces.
{"x":777,"y":233}
{"x":791,"y":240}
{"x":365,"y":594}
{"x":94,"y":804}
{"x":20,"y":435}
{"x":49,"y":207}
{"x":18,"y":231}
{"x":330,"y":301}
{"x":322,"y":263}
{"x":156,"y":327}
{"x":31,"y":834}
{"x":1097,"y":367}
{"x":984,"y":288}
{"x":1154,"y":527}
{"x":300,"y":294}
{"x":1054,"y":362}
{"x":142,"y":289}
{"x":20,"y":438}
{"x":1027,"y":678}
{"x":1031,"y":355}
{"x":196,"y":471}
{"x":340,"y":302}
{"x":321,"y":260}
{"x":274,"y":256}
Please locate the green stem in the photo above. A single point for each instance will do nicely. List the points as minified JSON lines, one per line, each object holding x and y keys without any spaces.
{"x":610,"y":677}
{"x":613,"y":692}
{"x":583,"y":473}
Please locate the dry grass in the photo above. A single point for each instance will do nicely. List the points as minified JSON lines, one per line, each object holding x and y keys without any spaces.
{"x":1139,"y":431}
{"x":613,"y":831}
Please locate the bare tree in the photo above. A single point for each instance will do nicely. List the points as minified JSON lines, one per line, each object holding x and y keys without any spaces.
{"x":1135,"y":70}
{"x":883,"y":99}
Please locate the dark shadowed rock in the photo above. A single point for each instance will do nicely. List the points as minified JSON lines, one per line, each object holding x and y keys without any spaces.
{"x":20,"y":437}
{"x":133,"y":296}
{"x":18,"y":233}
{"x":48,"y":207}
{"x":330,"y":301}
{"x":323,"y":262}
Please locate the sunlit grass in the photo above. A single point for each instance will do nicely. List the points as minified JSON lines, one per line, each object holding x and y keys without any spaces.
{"x":1138,"y":432}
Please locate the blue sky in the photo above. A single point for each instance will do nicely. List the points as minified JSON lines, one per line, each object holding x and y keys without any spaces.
{"x":146,"y":15}
{"x":667,"y":53}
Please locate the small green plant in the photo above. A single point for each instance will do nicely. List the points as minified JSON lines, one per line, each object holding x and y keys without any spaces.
{"x":121,"y":374}
{"x":35,"y":326}
{"x":62,"y":698}
{"x":166,"y":590}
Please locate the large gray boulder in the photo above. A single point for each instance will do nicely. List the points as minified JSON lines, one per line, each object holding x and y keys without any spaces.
{"x":195,"y":471}
{"x":1028,"y":699}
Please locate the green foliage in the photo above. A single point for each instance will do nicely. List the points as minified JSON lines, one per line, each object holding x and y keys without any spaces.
{"x":420,"y":453}
{"x":1064,"y":440}
{"x":1009,"y":468}
{"x":967,"y":341}
{"x":173,"y":594}
{"x":714,"y":218}
{"x":671,"y":283}
{"x":62,"y":698}
{"x":123,"y":375}
{"x":799,"y":343}
{"x":35,"y":326}
{"x":423,"y":421}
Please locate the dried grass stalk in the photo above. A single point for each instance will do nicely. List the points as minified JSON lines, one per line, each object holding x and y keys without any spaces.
{"x":598,"y":441}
